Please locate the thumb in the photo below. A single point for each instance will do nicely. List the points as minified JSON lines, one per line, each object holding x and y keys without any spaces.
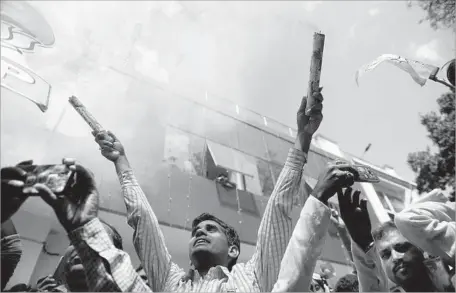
{"x":303,"y":105}
{"x":46,"y":194}
{"x":113,"y":136}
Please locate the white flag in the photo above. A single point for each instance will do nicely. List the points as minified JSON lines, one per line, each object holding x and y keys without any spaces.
{"x":419,"y":71}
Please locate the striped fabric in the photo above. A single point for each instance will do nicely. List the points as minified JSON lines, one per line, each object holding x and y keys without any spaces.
{"x":107,"y":268}
{"x":258,"y":274}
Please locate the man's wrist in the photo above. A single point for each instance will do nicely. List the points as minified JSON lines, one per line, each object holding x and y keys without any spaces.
{"x":70,"y":227}
{"x":303,"y":141}
{"x":122,"y":164}
{"x":321,"y":197}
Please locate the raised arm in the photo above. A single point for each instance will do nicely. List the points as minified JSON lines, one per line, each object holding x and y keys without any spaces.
{"x":147,"y":238}
{"x":106,"y":268}
{"x":276,"y":225}
{"x":308,"y":237}
{"x":354,"y":213}
{"x":430,"y":225}
{"x":304,"y":248}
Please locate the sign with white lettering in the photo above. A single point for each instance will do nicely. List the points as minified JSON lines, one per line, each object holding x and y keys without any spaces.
{"x":22,"y":30}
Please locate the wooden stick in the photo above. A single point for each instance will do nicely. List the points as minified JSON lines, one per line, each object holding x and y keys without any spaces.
{"x":315,"y":70}
{"x":85,"y":114}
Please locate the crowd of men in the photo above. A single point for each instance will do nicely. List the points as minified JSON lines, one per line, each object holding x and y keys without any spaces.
{"x":414,"y":251}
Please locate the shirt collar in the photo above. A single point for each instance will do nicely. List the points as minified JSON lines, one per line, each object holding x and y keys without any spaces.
{"x":217,"y":272}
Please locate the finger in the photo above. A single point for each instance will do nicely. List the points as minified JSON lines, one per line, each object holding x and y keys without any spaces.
{"x":344,"y":201}
{"x":347,"y":167}
{"x":30,"y":190}
{"x":46,"y":194}
{"x":346,"y":179}
{"x":316,"y":117}
{"x":68,"y":161}
{"x":107,"y":149}
{"x":315,"y":110}
{"x":363,"y":204}
{"x":317,"y":96}
{"x":101,"y":135}
{"x":13,"y":173}
{"x":303,"y":105}
{"x":25,"y":163}
{"x":356,"y":198}
{"x":347,"y":196}
{"x":15,"y":183}
{"x":105,"y":143}
{"x":113,"y":136}
{"x":339,"y":162}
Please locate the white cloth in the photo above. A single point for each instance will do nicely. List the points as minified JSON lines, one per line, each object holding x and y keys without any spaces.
{"x":304,"y":248}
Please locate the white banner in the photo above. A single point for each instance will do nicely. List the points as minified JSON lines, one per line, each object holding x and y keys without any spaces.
{"x":419,"y":71}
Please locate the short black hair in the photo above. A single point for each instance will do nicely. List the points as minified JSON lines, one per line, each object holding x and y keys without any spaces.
{"x":347,"y":283}
{"x":384,"y":229}
{"x":116,"y":238}
{"x":230,"y":232}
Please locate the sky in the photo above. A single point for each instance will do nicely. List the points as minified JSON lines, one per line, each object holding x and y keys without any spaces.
{"x":256,"y":54}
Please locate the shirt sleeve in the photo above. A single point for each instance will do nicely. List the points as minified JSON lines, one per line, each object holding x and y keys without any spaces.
{"x":430,"y":225}
{"x":276,"y":225}
{"x":148,"y":238}
{"x":304,"y":248}
{"x":371,"y":276}
{"x":107,"y":268}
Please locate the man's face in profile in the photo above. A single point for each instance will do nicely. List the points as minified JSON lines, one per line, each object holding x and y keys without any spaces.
{"x":402,"y":261}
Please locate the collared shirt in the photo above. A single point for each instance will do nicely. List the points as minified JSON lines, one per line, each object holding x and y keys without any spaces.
{"x":107,"y":268}
{"x":104,"y":264}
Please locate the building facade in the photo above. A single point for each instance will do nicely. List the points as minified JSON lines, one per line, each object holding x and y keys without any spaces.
{"x":204,"y":155}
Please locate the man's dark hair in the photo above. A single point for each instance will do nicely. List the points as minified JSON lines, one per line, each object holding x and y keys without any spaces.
{"x":116,"y":238}
{"x":231,"y":234}
{"x":383,"y":230}
{"x":347,"y":283}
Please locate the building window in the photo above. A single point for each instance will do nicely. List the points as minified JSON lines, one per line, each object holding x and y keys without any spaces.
{"x":232,"y":168}
{"x":184,"y":151}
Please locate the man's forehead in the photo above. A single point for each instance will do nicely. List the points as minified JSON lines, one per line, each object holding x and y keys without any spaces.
{"x":208,"y":222}
{"x":391,"y":238}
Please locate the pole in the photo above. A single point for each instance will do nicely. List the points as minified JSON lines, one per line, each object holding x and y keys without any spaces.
{"x":315,"y":69}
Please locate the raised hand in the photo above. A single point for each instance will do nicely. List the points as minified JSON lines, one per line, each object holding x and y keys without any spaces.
{"x":13,"y":181}
{"x":356,"y":217}
{"x":79,"y":204}
{"x":333,"y":178}
{"x":308,"y":123}
{"x":110,"y":146}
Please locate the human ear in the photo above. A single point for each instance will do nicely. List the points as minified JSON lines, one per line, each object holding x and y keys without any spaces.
{"x":233,"y":251}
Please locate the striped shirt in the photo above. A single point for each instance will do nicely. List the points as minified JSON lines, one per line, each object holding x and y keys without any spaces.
{"x":258,"y":274}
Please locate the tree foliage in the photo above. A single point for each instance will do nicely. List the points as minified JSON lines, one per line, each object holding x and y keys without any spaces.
{"x":439,"y":13}
{"x":437,"y":170}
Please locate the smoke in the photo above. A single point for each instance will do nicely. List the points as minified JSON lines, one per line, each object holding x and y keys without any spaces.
{"x":105,"y":53}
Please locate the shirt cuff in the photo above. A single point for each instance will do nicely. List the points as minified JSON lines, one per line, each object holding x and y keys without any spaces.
{"x":320,"y":211}
{"x":92,"y":234}
{"x":296,"y":159}
{"x":127,"y":178}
